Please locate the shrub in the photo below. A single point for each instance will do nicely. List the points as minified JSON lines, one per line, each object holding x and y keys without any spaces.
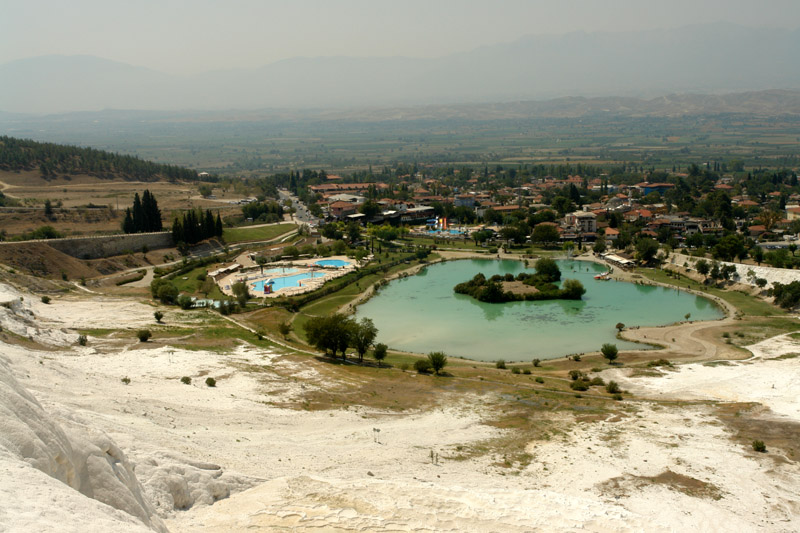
{"x":164,"y":290}
{"x":158,"y":315}
{"x":284,"y":328}
{"x":617,"y":397}
{"x":423,"y":366}
{"x":537,"y":362}
{"x":612,"y":387}
{"x":515,"y":370}
{"x":575,"y":374}
{"x":659,"y":362}
{"x":539,"y":379}
{"x":185,"y":302}
{"x":597,"y":382}
{"x":211,"y":382}
{"x":576,"y":358}
{"x":82,"y":340}
{"x":501,"y":364}
{"x":186,"y":380}
{"x":438,"y":361}
{"x":759,"y":446}
{"x":126,"y":380}
{"x":45,"y":299}
{"x":527,"y":371}
{"x":579,"y":385}
{"x":144,"y":335}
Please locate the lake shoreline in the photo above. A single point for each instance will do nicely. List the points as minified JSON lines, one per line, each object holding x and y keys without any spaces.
{"x":654,"y":345}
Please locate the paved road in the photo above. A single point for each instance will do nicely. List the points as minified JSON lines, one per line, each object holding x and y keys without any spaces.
{"x":302,"y":214}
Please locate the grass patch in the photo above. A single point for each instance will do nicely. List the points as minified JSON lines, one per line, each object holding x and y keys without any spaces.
{"x":624,"y":485}
{"x":97,"y":332}
{"x":757,"y":329}
{"x":748,"y":305}
{"x":190,"y":283}
{"x":263,"y":233}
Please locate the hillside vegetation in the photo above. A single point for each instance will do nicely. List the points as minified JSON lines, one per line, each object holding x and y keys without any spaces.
{"x":54,"y":159}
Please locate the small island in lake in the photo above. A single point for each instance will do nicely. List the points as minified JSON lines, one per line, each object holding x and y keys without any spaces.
{"x":525,"y":286}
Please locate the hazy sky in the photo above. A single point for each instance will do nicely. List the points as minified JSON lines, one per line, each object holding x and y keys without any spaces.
{"x":189,"y":36}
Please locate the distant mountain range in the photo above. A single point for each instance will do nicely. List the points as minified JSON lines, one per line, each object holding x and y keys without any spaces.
{"x":717,"y":58}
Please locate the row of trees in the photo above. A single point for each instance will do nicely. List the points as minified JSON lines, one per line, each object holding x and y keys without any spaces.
{"x":337,"y":333}
{"x":195,"y":226}
{"x":144,"y":216}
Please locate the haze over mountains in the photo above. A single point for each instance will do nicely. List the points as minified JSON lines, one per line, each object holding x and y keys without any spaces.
{"x":716,"y":58}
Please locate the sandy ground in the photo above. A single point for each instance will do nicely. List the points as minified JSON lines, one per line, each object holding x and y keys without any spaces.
{"x":228,"y":459}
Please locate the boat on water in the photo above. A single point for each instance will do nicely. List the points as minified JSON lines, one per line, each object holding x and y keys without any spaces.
{"x":603,"y":275}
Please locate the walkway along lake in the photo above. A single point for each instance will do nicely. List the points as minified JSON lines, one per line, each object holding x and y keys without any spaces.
{"x":421,"y":313}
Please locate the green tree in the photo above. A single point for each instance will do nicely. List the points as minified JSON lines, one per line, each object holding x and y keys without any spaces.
{"x":438,"y":361}
{"x":562,"y":204}
{"x":380,"y":352}
{"x":599,"y":246}
{"x":164,"y":290}
{"x":291,"y":251}
{"x":284,"y":328}
{"x":545,"y":234}
{"x":362,"y":336}
{"x":370,"y":209}
{"x":572,"y":289}
{"x":241,"y":292}
{"x":261,"y":261}
{"x":331,"y":333}
{"x":646,"y":250}
{"x":703,"y":268}
{"x":609,"y":351}
{"x":547,"y":269}
{"x":757,"y":253}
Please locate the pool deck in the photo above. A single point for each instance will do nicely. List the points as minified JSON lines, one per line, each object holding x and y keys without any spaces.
{"x":300,"y":266}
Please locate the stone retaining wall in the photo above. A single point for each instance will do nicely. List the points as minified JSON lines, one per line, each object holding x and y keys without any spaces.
{"x":106,"y":245}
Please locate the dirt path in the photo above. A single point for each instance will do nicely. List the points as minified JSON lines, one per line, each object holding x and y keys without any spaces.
{"x":4,"y":189}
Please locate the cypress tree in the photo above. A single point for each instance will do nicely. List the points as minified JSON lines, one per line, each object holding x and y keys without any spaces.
{"x":152,"y":213}
{"x":218,"y":226}
{"x":177,"y":231}
{"x":127,"y":223}
{"x":208,"y":225}
{"x":138,"y":214}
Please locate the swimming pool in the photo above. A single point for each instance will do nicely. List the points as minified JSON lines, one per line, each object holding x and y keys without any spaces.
{"x":286,"y":281}
{"x":338,"y":263}
{"x":445,"y":232}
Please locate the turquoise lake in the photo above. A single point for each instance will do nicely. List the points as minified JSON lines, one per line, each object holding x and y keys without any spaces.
{"x":421,"y":313}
